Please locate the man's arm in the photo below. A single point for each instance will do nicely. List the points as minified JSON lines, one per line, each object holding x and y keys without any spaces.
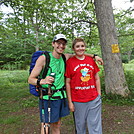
{"x":40,"y":63}
{"x":97,"y":58}
{"x":98,"y":86}
{"x":68,"y":56}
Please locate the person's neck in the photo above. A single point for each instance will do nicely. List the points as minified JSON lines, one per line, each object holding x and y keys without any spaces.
{"x":80,"y":57}
{"x":56,"y":55}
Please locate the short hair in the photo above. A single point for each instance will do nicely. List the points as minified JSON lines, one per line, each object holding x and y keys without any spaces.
{"x":78,"y":39}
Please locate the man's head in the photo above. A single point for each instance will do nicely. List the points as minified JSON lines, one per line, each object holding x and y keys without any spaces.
{"x":59,"y":43}
{"x":76,"y":40}
{"x":79,"y":46}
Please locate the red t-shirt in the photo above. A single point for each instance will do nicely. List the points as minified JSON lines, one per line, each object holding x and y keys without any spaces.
{"x":82,"y":78}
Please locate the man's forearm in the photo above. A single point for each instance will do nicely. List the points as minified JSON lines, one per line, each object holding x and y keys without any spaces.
{"x":90,"y":55}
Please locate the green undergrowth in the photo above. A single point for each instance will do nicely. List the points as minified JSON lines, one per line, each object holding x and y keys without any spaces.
{"x":15,"y":98}
{"x":118,"y":99}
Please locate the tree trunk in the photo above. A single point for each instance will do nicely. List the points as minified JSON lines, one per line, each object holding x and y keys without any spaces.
{"x":115,"y":82}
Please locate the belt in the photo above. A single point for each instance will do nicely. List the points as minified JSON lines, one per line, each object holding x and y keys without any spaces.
{"x":45,"y":92}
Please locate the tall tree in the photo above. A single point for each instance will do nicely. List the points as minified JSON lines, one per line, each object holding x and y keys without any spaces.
{"x":125,"y":22}
{"x":114,"y":75}
{"x":33,"y":23}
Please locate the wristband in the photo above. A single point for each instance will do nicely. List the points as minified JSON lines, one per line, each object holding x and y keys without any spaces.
{"x":38,"y":82}
{"x":95,"y":55}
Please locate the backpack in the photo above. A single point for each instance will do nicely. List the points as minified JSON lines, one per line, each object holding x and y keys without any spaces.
{"x":32,"y":88}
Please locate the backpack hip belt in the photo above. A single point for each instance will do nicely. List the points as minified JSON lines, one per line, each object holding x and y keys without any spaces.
{"x":45,"y":92}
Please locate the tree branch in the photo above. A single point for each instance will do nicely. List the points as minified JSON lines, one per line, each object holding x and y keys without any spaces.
{"x":125,"y":35}
{"x":92,"y":23}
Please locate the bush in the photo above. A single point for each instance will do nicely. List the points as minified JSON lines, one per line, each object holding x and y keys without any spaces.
{"x":125,"y":58}
{"x":129,"y":75}
{"x":131,"y":61}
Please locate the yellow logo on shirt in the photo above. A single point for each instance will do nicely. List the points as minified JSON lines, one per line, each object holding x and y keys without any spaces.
{"x":85,"y":76}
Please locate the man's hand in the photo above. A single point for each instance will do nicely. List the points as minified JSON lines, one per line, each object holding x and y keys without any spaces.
{"x":99,"y":60}
{"x":47,"y":80}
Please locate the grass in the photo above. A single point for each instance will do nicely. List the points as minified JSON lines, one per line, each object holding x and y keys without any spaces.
{"x":15,"y":99}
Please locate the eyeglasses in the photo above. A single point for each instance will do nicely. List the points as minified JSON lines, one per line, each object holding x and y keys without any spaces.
{"x":61,"y":43}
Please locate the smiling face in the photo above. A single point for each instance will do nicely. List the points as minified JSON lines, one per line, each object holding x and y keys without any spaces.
{"x":59,"y":46}
{"x":79,"y":48}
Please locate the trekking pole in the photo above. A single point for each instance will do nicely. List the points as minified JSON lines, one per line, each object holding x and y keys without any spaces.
{"x":49,"y":86}
{"x":49,"y":101}
{"x":42,"y":104}
{"x":49,"y":114}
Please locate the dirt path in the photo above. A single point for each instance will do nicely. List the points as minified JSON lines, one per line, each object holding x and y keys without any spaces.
{"x":118,"y":119}
{"x":115,"y":119}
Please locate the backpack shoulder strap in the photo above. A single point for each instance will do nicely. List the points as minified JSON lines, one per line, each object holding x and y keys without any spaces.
{"x":45,"y":70}
{"x":64,"y":59}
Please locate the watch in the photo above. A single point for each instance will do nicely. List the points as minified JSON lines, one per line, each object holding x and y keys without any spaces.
{"x":95,"y":55}
{"x":38,"y":82}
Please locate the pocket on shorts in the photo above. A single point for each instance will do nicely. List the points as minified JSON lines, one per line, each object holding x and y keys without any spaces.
{"x":99,"y":96}
{"x":98,"y":99}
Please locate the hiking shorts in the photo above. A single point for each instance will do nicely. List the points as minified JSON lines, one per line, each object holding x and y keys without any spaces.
{"x":58,"y":109}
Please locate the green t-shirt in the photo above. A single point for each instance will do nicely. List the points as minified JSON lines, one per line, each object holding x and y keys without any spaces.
{"x":56,"y":66}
